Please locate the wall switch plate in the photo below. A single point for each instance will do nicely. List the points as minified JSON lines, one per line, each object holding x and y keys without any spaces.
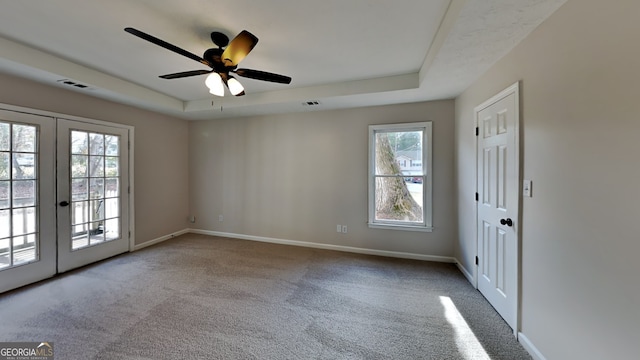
{"x":526,"y":188}
{"x":344,"y":229}
{"x":339,"y":228}
{"x":220,"y":217}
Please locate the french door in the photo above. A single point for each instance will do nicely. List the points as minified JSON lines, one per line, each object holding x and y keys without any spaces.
{"x":27,"y":199}
{"x":64,"y":195}
{"x":92,"y":192}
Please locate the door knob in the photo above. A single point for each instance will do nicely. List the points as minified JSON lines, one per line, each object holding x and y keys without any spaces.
{"x":64,"y":203}
{"x":506,"y":221}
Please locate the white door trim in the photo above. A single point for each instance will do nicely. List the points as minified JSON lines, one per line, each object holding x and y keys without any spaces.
{"x":513,"y":89}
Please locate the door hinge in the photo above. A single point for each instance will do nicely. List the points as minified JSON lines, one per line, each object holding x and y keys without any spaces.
{"x":477,"y":196}
{"x":477,"y":131}
{"x":128,"y":189}
{"x":476,"y":260}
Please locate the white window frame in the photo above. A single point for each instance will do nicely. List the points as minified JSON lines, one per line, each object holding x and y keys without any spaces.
{"x":427,"y":183}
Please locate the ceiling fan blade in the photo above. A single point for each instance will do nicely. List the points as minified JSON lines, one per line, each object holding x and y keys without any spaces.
{"x":185,"y":74}
{"x":166,"y":45}
{"x":263,"y":75}
{"x":238,"y":48}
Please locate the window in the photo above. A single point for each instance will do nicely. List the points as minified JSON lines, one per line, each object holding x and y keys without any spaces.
{"x":400,"y":197}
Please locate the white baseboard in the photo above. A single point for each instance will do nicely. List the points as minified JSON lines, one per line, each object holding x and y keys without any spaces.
{"x":466,"y":273}
{"x":394,"y":254}
{"x":531,"y":349}
{"x":159,"y":240}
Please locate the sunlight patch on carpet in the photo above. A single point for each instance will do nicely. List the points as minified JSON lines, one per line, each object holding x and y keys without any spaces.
{"x":466,"y":341}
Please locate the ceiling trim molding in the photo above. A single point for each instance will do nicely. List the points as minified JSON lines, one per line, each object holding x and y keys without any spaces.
{"x":447,"y":23}
{"x":102,"y":85}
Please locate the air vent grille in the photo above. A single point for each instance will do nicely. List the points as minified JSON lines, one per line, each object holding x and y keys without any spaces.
{"x":78,"y":85}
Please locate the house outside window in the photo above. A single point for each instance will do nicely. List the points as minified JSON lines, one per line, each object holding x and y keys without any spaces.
{"x":400,"y":179}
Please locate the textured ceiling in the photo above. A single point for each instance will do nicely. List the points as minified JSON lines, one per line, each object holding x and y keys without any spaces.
{"x":340,"y":53}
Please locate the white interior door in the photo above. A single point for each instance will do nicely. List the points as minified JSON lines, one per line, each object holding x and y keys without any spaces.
{"x":92,"y":192}
{"x":498,"y":202}
{"x":27,"y":199}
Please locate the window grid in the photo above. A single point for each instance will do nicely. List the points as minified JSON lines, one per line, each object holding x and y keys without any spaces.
{"x":19,"y":223}
{"x":95,"y":188}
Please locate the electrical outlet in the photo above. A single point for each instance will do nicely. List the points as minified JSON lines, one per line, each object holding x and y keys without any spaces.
{"x":339,"y":228}
{"x":220,"y":218}
{"x":344,"y":229}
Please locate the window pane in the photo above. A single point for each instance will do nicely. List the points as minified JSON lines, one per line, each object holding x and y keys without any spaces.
{"x":24,"y":193}
{"x":111,"y":166}
{"x":24,"y":138}
{"x":112,"y":229}
{"x":4,"y":166}
{"x":5,"y":248}
{"x":111,"y":187}
{"x":79,"y":190}
{"x":24,"y":249}
{"x":112,"y":145}
{"x":24,"y":166}
{"x":4,"y":194}
{"x":394,"y":202}
{"x":96,"y":188}
{"x":4,"y":137}
{"x":5,"y":224}
{"x":24,"y":221}
{"x":398,"y":152}
{"x":80,"y":236}
{"x":96,"y":233}
{"x":111,"y":208}
{"x":96,"y":144}
{"x":79,"y":212}
{"x":96,"y":212}
{"x":96,"y":166}
{"x":79,"y":166}
{"x":79,"y":143}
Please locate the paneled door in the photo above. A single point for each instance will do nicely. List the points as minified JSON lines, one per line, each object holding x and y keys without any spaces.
{"x":27,"y":199}
{"x":498,"y":202}
{"x":92,"y":192}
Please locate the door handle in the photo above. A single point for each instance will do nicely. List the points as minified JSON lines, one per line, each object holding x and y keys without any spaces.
{"x":64,"y":203}
{"x":506,"y":221}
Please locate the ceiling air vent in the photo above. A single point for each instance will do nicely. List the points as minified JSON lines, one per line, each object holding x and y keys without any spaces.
{"x":68,"y":82}
{"x":311,"y":103}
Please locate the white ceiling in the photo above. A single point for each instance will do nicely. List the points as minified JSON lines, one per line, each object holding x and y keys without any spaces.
{"x":342,"y":53}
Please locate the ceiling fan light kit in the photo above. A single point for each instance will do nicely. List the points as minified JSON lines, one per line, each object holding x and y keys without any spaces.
{"x":214,"y":83}
{"x":222,"y":61}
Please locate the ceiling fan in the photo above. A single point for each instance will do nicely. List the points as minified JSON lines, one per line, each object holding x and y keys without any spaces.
{"x":222,"y":61}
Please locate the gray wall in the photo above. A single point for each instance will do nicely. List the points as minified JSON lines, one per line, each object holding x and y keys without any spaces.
{"x":580,"y":72}
{"x":161,"y":168}
{"x":296,"y":176}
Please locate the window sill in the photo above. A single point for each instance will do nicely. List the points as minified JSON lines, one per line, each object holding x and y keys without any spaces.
{"x":400,"y":227}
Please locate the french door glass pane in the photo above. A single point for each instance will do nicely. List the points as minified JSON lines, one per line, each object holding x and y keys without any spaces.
{"x":95,"y":160}
{"x":18,"y":194}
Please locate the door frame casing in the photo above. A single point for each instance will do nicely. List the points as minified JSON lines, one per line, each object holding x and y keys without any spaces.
{"x":513,"y":89}
{"x":55,"y":116}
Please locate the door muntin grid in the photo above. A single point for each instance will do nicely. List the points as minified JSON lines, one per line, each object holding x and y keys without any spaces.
{"x":94,"y":168}
{"x":19,"y":189}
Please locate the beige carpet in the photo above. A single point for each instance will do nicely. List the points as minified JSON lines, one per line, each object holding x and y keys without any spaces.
{"x":200,"y":297}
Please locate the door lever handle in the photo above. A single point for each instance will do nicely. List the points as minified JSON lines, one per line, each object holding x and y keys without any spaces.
{"x":507,"y":222}
{"x":64,"y":203}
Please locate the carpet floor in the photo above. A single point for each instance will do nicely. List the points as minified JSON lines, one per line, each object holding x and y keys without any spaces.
{"x":203,"y":297}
